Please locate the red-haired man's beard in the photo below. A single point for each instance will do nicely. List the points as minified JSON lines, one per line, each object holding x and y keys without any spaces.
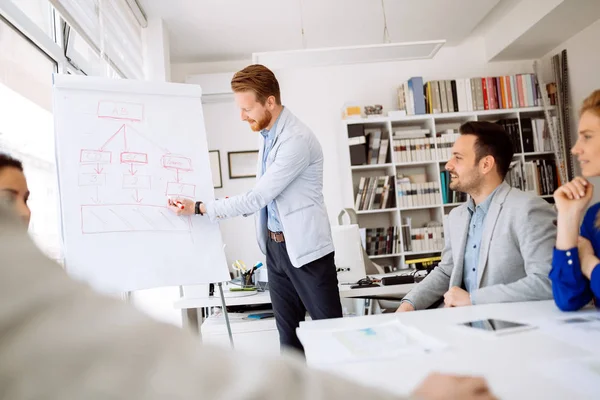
{"x":262,"y":123}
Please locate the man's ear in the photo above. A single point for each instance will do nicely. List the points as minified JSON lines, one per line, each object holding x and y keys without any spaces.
{"x":487,"y":163}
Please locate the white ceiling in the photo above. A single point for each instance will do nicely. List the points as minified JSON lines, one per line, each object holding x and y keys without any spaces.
{"x":220,"y":30}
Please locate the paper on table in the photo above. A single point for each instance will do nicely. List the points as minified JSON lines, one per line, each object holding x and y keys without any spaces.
{"x":581,"y":329}
{"x":579,"y":375}
{"x":388,"y":340}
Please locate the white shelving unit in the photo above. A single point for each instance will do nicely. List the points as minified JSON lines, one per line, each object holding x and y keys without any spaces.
{"x":422,"y":214}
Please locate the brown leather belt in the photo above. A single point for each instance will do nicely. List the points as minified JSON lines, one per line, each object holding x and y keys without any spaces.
{"x":277,"y":237}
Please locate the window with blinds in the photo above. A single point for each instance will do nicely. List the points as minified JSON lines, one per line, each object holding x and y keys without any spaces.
{"x":110,"y":28}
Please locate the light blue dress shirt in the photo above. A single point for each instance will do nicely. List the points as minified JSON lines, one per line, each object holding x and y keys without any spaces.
{"x":478,"y":214}
{"x":273,"y":222}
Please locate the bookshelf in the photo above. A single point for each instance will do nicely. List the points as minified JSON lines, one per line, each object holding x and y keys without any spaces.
{"x":426,"y":169}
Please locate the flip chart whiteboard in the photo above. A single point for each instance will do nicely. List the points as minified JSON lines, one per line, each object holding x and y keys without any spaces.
{"x":123,"y":147}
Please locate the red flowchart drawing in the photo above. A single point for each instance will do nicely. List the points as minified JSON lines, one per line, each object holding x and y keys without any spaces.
{"x":89,"y":179}
{"x":120,"y":110}
{"x":177,"y":189}
{"x":122,"y":130}
{"x":95,"y":157}
{"x":137,"y":198}
{"x":130,"y":215}
{"x":116,"y":218}
{"x":134,"y":158}
{"x":177,"y":163}
{"x":136,"y":181}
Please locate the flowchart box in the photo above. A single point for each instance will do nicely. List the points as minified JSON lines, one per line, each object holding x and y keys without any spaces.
{"x":120,"y":110}
{"x":92,"y":179}
{"x":177,"y":189}
{"x":116,"y":218}
{"x":136,"y":181}
{"x":134,"y":158}
{"x":95,"y":157}
{"x":177,"y":162}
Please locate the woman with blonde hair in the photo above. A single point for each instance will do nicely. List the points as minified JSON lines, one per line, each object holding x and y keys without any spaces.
{"x":575,"y":270}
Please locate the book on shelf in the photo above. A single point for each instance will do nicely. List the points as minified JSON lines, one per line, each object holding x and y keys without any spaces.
{"x":469,"y":94}
{"x":429,"y":238}
{"x":367,"y":146}
{"x":516,"y":175}
{"x":411,"y":144}
{"x":381,"y":241}
{"x":538,"y":176}
{"x":450,"y":196}
{"x":417,"y":194}
{"x":414,"y":150}
{"x":411,"y":97}
{"x":374,"y":193}
{"x":536,"y":135}
{"x":511,"y":126}
{"x":445,"y":140}
{"x":357,"y":141}
{"x":406,"y":242}
{"x":423,"y":263}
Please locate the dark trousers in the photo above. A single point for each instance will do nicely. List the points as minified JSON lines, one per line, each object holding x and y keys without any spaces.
{"x":312,"y":288}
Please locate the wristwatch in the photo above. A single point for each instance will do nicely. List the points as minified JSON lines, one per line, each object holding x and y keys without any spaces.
{"x":197,"y":208}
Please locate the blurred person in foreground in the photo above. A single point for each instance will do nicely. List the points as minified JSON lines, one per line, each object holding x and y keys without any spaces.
{"x":61,"y":340}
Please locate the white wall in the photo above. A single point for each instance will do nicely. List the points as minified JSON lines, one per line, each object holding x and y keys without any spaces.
{"x":316,"y":95}
{"x":227,"y":132}
{"x":584,"y":76}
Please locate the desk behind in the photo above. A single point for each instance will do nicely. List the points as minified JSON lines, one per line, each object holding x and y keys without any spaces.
{"x":381,"y":291}
{"x":191,"y":319}
{"x":215,"y":301}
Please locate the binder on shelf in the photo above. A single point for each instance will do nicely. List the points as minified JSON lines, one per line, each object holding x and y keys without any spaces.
{"x":358,"y":144}
{"x":382,"y":241}
{"x":415,"y":85}
{"x":527,"y":133}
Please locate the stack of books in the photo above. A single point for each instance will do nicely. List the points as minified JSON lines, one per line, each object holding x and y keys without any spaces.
{"x":375,"y":193}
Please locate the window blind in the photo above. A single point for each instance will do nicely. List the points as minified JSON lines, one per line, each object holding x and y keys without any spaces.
{"x":110,"y":27}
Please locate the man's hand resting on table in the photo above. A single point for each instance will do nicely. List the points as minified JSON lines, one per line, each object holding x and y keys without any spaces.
{"x":452,"y":387}
{"x":405,"y":306}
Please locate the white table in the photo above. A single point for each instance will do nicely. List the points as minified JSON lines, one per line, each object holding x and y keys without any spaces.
{"x":511,"y":363}
{"x":253,"y":336}
{"x":193,"y":320}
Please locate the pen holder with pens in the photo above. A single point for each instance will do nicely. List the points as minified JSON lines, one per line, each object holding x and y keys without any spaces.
{"x":247,"y":279}
{"x":247,"y":275}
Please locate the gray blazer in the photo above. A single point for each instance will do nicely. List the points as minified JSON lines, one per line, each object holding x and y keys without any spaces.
{"x":515,"y":255}
{"x":294,"y":180}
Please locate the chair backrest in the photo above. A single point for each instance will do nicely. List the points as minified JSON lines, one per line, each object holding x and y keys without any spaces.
{"x":348,"y":217}
{"x":349,"y":258}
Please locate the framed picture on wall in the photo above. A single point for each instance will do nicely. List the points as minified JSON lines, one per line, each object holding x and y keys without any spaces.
{"x":242,"y":164}
{"x":214,"y":156}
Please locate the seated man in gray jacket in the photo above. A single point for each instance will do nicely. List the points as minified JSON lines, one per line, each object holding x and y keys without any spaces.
{"x":498,"y":246}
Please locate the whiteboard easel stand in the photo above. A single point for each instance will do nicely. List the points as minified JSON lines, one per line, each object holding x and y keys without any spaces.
{"x":226,"y":314}
{"x":190,"y":319}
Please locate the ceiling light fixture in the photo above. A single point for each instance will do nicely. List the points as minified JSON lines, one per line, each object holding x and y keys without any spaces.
{"x":330,"y":56}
